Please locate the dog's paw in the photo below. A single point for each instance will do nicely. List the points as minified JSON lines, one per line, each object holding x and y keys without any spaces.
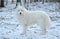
{"x":43,"y":33}
{"x":23,"y":33}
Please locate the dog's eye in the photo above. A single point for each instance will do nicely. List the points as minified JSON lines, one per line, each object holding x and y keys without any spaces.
{"x":20,"y":13}
{"x":21,"y":10}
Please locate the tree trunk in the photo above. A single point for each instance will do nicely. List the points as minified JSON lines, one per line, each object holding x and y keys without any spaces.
{"x":38,"y":0}
{"x":6,"y":2}
{"x":23,"y":3}
{"x":32,"y":1}
{"x":17,"y":3}
{"x":2,"y":3}
{"x":42,"y":1}
{"x":12,"y":1}
{"x":27,"y":3}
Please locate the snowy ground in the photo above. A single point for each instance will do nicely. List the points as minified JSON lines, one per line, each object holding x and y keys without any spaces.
{"x":10,"y":28}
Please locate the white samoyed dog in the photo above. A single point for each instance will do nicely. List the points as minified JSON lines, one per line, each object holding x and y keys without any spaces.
{"x":27,"y":18}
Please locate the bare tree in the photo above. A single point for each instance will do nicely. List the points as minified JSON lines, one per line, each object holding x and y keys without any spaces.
{"x":55,"y":1}
{"x":39,"y":0}
{"x":27,"y":4}
{"x":6,"y":2}
{"x":32,"y":0}
{"x":23,"y":2}
{"x":47,"y":0}
{"x":12,"y":1}
{"x":2,"y":3}
{"x":42,"y":1}
{"x":16,"y":3}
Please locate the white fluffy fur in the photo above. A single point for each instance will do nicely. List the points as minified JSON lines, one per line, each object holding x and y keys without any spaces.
{"x":33,"y":17}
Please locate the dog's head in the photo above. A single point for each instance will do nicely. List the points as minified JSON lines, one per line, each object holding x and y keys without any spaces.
{"x":21,"y":10}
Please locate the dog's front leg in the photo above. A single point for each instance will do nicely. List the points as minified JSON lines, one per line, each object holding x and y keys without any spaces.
{"x":24,"y":29}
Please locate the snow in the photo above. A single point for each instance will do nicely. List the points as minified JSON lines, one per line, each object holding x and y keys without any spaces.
{"x":11,"y":29}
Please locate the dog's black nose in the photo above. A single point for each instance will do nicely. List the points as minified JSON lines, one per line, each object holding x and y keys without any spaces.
{"x":20,"y":13}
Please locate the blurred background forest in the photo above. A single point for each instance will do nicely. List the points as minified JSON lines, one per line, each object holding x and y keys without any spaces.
{"x":23,"y":2}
